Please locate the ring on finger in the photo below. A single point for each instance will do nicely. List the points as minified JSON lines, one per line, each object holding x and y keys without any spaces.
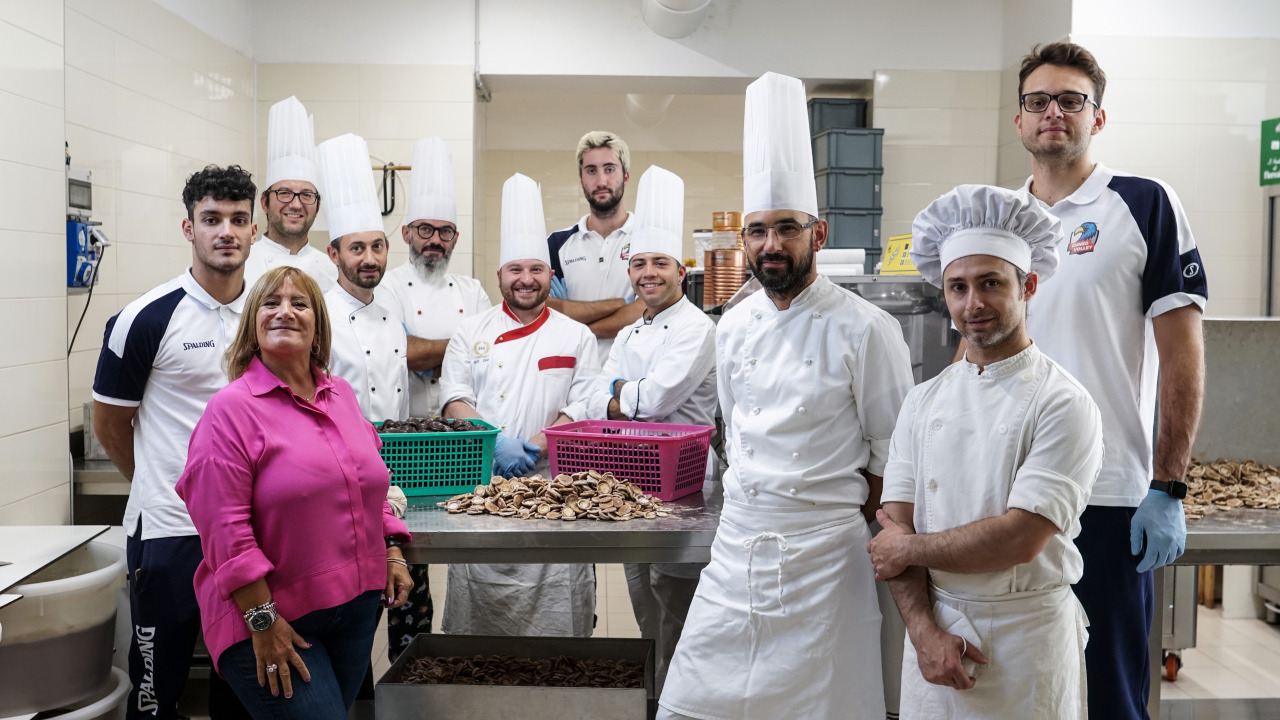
{"x":272,"y":668}
{"x":964,"y":649}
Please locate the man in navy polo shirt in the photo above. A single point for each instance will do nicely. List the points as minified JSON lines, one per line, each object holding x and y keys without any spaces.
{"x":161,"y":361}
{"x":1124,"y":308}
{"x":590,"y":258}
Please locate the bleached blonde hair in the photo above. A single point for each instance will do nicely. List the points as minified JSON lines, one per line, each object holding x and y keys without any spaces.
{"x":605,"y":139}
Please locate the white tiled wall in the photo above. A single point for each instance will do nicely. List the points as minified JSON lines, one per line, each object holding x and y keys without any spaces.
{"x":939,"y":131}
{"x":391,"y":106}
{"x":34,"y":474}
{"x":150,"y":99}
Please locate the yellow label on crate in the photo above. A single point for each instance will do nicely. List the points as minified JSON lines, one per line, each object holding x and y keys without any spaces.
{"x":897,"y":257}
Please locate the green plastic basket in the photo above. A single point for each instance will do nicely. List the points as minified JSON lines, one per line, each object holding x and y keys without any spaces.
{"x":439,"y":463}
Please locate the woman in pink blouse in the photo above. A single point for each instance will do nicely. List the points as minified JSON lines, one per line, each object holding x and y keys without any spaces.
{"x":288,"y":493}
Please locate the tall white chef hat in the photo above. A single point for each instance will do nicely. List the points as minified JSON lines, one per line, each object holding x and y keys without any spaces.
{"x":659,"y":218}
{"x":291,"y":144}
{"x":431,"y":186}
{"x":985,"y":220}
{"x":350,"y":200}
{"x":523,"y":235}
{"x":777,"y":153}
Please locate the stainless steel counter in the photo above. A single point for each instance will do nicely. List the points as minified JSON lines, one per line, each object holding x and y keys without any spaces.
{"x":686,"y":536}
{"x":1234,"y":537}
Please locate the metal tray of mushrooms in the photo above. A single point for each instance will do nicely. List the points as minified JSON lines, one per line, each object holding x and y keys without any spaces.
{"x":1230,"y":485}
{"x":447,"y":677}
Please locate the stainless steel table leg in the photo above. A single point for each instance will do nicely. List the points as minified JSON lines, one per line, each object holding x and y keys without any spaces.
{"x":1154,"y":642}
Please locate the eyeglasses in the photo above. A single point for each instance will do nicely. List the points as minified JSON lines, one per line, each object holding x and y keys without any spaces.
{"x":286,"y":196}
{"x":425,"y":231}
{"x":786,"y":229}
{"x":1068,"y":102}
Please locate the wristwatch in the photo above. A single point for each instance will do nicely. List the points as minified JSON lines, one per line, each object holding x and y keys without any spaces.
{"x":261,"y":617}
{"x":393,"y":541}
{"x":1174,"y":488}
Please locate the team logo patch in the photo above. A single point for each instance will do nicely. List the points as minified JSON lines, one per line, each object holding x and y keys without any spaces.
{"x":626,"y":252}
{"x":1083,"y":239}
{"x":480,"y":349}
{"x":1191,"y":270}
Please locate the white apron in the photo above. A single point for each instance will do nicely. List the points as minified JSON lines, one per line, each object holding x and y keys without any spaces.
{"x":1035,"y":644}
{"x":785,"y":622}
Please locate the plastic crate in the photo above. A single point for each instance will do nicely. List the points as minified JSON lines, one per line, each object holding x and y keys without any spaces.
{"x":873,"y":259}
{"x":664,"y":460}
{"x":827,"y":113}
{"x":853,"y":228}
{"x":848,"y":189}
{"x":861,"y":149}
{"x":439,"y":463}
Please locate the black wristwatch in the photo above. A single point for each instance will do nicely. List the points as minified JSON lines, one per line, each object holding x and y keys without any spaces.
{"x":393,"y":541}
{"x":1174,"y":488}
{"x":262,"y":617}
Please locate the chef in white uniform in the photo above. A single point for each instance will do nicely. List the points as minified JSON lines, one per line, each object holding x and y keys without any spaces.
{"x":523,"y":367}
{"x":661,"y":368}
{"x":368,"y":340}
{"x":290,"y":199}
{"x":430,"y":300}
{"x":991,"y":464}
{"x":785,"y":623}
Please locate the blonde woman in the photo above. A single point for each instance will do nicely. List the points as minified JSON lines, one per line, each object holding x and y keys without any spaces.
{"x":288,"y":493}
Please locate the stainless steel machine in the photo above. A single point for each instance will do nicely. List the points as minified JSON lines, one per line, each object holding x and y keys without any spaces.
{"x":921,"y":310}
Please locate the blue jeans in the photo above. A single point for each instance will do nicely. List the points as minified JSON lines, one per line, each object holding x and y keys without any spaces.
{"x":341,"y":641}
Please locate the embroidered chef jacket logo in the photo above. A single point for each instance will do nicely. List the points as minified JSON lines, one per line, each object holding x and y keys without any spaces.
{"x":195,"y":345}
{"x":580,"y":258}
{"x":1083,"y":239}
{"x":1191,"y":270}
{"x":626,"y":252}
{"x":480,"y":349}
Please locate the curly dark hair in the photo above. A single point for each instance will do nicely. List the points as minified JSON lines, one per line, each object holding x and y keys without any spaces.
{"x":220,"y":183}
{"x":1065,"y":54}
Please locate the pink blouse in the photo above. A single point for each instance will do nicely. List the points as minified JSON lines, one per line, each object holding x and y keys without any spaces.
{"x":286,"y":490}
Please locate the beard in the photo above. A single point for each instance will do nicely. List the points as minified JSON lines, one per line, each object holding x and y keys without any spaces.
{"x":277,"y":230}
{"x":608,"y":205}
{"x":1067,"y":150}
{"x":786,"y":282}
{"x":430,"y":266}
{"x":353,"y":276}
{"x":509,"y":295}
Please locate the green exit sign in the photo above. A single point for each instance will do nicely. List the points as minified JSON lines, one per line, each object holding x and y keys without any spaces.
{"x":1270,"y":169}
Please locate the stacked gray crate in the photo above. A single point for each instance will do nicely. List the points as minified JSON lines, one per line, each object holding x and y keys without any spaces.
{"x":848,"y":167}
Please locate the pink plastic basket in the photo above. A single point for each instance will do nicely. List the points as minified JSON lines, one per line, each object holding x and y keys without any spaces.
{"x":664,"y":460}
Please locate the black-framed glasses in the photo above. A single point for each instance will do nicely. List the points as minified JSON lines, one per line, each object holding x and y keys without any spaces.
{"x":426,"y":230}
{"x":1068,"y":102}
{"x":786,"y":229}
{"x":286,"y":196}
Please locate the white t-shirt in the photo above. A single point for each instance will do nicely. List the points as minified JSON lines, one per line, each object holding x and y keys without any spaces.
{"x":430,"y":308}
{"x":1127,"y":255}
{"x":163,"y":355}
{"x":266,"y":253}
{"x":809,"y":396}
{"x":593,"y":267}
{"x":368,"y":351}
{"x":970,"y":446}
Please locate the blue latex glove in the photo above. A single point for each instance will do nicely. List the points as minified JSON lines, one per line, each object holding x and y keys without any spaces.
{"x":1160,"y":518}
{"x":558,"y":288}
{"x":533,"y":452}
{"x":510,"y":457}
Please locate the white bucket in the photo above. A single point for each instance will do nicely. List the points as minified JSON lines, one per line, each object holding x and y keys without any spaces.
{"x":107,"y":707}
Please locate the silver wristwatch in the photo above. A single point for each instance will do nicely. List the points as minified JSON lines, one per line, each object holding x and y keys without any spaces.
{"x":261,"y":617}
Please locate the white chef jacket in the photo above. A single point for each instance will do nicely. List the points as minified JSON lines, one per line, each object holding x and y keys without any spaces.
{"x":1021,"y":434}
{"x":519,"y":377}
{"x":592,"y":266}
{"x":809,"y":396}
{"x":669,"y":364}
{"x":368,"y":351}
{"x":266,"y":254}
{"x":430,"y":308}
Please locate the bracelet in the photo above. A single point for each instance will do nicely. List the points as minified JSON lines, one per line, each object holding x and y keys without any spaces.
{"x":398,"y":561}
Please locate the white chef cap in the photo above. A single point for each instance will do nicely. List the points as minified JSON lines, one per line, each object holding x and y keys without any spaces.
{"x":523,"y":234}
{"x":350,"y":199}
{"x":985,"y":220}
{"x":659,"y":214}
{"x":431,"y":185}
{"x":777,"y":153}
{"x":291,"y":144}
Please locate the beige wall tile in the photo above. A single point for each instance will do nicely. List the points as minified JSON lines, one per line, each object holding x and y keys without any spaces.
{"x":42,"y":270}
{"x":40,"y":323}
{"x":31,"y":396}
{"x":310,"y":83}
{"x":31,"y":132}
{"x":30,"y":66}
{"x":42,"y":18}
{"x":32,"y":199}
{"x":51,"y":507}
{"x":416,"y":83}
{"x":937,"y":126}
{"x":973,"y":90}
